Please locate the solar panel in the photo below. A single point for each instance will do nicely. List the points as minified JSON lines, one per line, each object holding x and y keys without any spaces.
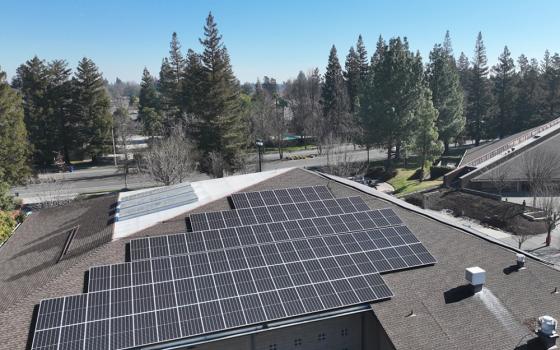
{"x":310,"y":253}
{"x":275,"y":213}
{"x":192,"y":242}
{"x":280,"y":196}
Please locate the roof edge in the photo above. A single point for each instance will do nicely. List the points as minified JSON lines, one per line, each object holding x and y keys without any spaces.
{"x":434,"y":216}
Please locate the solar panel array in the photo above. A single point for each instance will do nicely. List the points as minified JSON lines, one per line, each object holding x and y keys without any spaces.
{"x":183,"y":285}
{"x":280,"y":196}
{"x":276,"y":213}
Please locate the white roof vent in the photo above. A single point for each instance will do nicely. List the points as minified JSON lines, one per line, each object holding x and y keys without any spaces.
{"x":476,"y":277}
{"x":520,"y":261}
{"x":547,"y":332}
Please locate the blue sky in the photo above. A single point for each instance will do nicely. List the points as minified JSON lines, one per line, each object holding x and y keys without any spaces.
{"x":274,"y":38}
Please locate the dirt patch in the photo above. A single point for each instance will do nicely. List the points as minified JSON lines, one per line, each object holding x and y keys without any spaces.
{"x":502,"y":215}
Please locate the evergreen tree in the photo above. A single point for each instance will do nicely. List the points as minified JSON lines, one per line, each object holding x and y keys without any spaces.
{"x":447,"y":93}
{"x":170,"y":85}
{"x":448,"y":47}
{"x":14,"y":150}
{"x":32,"y":81}
{"x":479,"y":98}
{"x":334,"y":99}
{"x":91,"y":109}
{"x":148,"y":105}
{"x":219,"y":132}
{"x":529,"y":96}
{"x":352,"y":73}
{"x":551,"y":84}
{"x":362,"y":59}
{"x":504,"y":92}
{"x":426,"y":141}
{"x":59,"y":100}
{"x":393,"y":95}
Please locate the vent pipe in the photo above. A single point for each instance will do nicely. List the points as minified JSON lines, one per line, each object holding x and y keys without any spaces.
{"x":476,"y":277}
{"x":520,"y":261}
{"x":547,"y":332}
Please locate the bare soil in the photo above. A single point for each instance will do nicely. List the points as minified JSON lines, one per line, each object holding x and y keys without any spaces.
{"x":502,"y":215}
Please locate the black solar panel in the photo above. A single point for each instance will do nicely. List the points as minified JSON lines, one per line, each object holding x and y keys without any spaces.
{"x":276,"y":213}
{"x":199,"y":241}
{"x":281,"y":196}
{"x":290,"y":252}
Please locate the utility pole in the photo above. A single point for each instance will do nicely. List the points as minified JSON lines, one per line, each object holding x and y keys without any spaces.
{"x":259,"y":144}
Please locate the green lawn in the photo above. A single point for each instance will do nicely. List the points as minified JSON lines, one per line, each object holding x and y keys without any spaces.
{"x":402,"y":181}
{"x":404,"y":185}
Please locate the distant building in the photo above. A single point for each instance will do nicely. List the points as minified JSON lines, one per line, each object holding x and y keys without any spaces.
{"x":506,"y":160}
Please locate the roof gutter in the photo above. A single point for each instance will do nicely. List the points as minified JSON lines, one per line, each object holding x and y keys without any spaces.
{"x":181,"y":344}
{"x":434,"y":216}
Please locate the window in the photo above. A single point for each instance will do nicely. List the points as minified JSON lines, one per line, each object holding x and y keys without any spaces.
{"x":297,"y":342}
{"x":344,"y":332}
{"x":322,"y":337}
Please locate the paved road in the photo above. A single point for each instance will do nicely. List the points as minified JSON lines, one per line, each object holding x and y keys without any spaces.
{"x":108,"y":178}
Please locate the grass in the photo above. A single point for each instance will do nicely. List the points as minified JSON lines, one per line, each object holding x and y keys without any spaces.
{"x":403,"y":182}
{"x":404,"y":185}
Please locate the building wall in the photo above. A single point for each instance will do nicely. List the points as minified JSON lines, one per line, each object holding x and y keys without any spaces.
{"x":360,"y":331}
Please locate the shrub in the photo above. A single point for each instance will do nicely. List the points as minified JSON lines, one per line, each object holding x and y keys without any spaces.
{"x":7,"y":224}
{"x":439,"y":171}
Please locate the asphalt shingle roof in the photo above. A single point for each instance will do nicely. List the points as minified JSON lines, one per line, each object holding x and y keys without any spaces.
{"x":445,"y":318}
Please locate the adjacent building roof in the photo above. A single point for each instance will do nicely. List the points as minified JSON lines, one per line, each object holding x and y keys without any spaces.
{"x":445,"y":316}
{"x":514,"y":168}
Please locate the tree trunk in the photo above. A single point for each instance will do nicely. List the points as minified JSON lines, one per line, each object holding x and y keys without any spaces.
{"x":548,"y":236}
{"x":398,"y":151}
{"x":445,"y":146}
{"x":389,"y":154}
{"x":367,"y":149}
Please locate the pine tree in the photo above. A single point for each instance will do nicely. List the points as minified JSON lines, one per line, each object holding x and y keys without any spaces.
{"x":504,"y":92}
{"x":219,"y":131}
{"x":362,"y":59}
{"x":15,"y":150}
{"x":426,"y":141}
{"x":448,"y":47}
{"x":393,"y":95}
{"x":352,"y":74}
{"x":59,"y":99}
{"x":170,"y":85}
{"x":32,"y":81}
{"x":91,"y":109}
{"x":148,"y":105}
{"x":336,"y":121}
{"x":529,"y":96}
{"x":447,"y":93}
{"x":551,"y":84}
{"x":479,"y":99}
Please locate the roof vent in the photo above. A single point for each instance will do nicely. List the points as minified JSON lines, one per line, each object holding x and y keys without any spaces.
{"x":520,"y":261}
{"x":547,"y":331}
{"x":476,"y":277}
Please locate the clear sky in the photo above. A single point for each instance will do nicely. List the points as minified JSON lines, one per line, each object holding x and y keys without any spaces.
{"x":264,"y":37}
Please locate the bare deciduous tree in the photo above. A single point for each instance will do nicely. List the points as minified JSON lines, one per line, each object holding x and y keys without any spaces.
{"x":499,"y":177}
{"x":548,"y":201}
{"x":538,"y":168}
{"x":124,"y":128}
{"x":170,"y":160}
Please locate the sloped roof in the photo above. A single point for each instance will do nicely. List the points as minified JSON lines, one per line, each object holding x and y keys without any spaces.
{"x":445,"y":318}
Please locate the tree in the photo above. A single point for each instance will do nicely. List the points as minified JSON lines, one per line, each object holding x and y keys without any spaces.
{"x":353,"y":74}
{"x":504,"y":90}
{"x":148,"y":105}
{"x":218,"y":125}
{"x":426,"y":141}
{"x":32,"y":82}
{"x":334,"y":99}
{"x":172,"y":159}
{"x":170,"y":84}
{"x":91,"y":109}
{"x":549,"y":204}
{"x":538,"y":168}
{"x":14,"y":149}
{"x":479,"y":98}
{"x":529,"y":95}
{"x":362,"y":59}
{"x":59,"y":101}
{"x":499,"y":177}
{"x":447,"y":94}
{"x":393,"y":94}
{"x":551,"y":84}
{"x":297,"y":98}
{"x":123,"y":128}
